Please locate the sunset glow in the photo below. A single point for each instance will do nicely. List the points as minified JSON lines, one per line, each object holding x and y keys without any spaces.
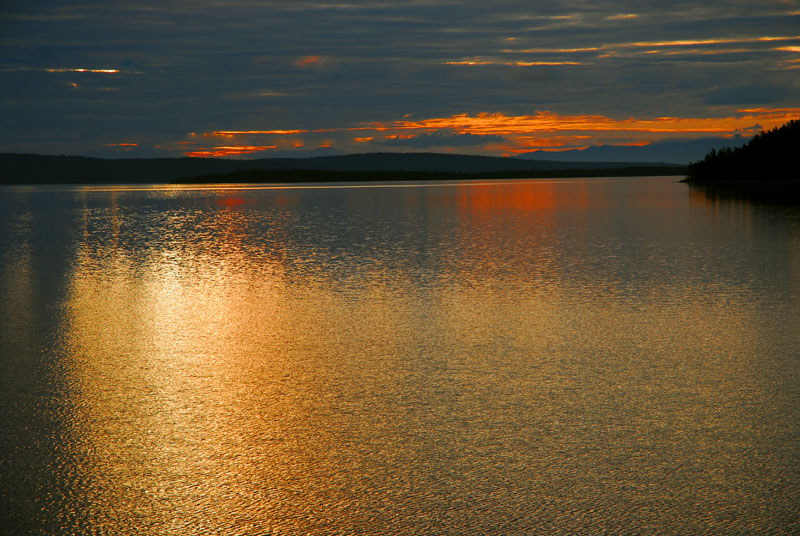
{"x":246,"y":132}
{"x":124,"y":146}
{"x":551,"y":50}
{"x":501,"y":124}
{"x":83,"y":70}
{"x":550,"y":131}
{"x":542,"y":130}
{"x":310,"y":79}
{"x":308,"y":60}
{"x":228,"y":151}
{"x":672,"y":47}
{"x":515,"y":63}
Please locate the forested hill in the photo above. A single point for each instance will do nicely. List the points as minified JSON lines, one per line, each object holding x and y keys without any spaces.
{"x":770,"y":156}
{"x":41,"y":169}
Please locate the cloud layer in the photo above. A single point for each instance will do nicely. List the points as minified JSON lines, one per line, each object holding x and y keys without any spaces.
{"x":247,"y":78}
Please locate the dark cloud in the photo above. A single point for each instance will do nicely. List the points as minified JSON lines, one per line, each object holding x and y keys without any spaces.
{"x":756,"y":94}
{"x":208,"y":65}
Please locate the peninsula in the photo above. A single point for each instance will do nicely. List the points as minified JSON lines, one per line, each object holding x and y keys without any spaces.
{"x":769,"y":157}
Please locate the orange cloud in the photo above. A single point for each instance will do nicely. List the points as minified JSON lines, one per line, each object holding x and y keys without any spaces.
{"x":505,"y":125}
{"x":515,"y":133}
{"x":695,"y":42}
{"x":228,"y":133}
{"x":308,"y":60}
{"x":544,"y":63}
{"x":512,"y":63}
{"x":552,"y":131}
{"x":225,"y":151}
{"x":551,"y":50}
{"x":83,"y":70}
{"x":656,"y":47}
{"x":523,"y":144}
{"x":700,"y":52}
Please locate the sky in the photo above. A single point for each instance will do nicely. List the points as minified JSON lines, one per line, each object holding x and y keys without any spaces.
{"x":254,"y":79}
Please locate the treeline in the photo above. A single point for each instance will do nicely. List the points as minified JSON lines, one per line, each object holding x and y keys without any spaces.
{"x":772,"y":155}
{"x":257,"y":175}
{"x":67,"y":169}
{"x":47,"y":169}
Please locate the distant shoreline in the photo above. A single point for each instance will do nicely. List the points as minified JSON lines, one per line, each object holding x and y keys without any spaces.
{"x":25,"y":169}
{"x":259,"y":176}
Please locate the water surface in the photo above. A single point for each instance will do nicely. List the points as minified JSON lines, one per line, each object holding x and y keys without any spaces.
{"x":519,"y":357}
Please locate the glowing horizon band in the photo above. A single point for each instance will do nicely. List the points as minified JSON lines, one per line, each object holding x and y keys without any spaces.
{"x":82,"y":70}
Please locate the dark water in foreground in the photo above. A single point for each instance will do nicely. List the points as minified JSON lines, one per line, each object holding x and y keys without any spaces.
{"x":531,"y":357}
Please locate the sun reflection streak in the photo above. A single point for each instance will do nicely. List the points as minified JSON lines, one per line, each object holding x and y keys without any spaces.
{"x":149,"y":343}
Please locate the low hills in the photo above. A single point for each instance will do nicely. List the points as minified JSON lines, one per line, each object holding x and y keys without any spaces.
{"x":680,"y":151}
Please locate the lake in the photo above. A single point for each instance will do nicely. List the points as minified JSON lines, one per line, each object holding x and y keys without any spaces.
{"x":573,"y":356}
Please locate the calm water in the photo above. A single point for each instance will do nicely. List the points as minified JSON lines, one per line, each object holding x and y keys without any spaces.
{"x":529,"y":357}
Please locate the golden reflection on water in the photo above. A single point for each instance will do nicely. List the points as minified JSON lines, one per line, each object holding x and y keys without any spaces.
{"x":470,"y":359}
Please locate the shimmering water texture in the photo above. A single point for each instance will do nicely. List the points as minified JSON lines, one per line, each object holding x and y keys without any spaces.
{"x":525,"y":357}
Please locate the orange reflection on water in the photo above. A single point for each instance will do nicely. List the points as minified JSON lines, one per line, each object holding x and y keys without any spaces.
{"x":160,"y":385}
{"x":525,"y":196}
{"x":229,"y":201}
{"x":269,"y":367}
{"x":479,"y":199}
